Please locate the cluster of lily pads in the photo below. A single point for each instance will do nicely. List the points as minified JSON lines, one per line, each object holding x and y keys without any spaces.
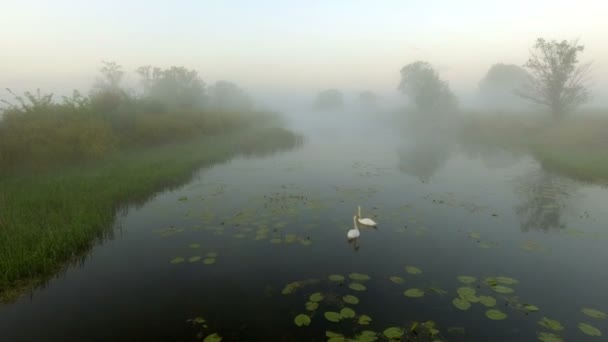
{"x":200,"y":322}
{"x":209,"y":259}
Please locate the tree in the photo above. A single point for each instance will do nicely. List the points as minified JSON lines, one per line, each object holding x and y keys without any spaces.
{"x":107,"y":95}
{"x":225,"y":95}
{"x":421,"y":83}
{"x":557,"y":79}
{"x":175,"y":87}
{"x":498,"y":88}
{"x":329,"y":99}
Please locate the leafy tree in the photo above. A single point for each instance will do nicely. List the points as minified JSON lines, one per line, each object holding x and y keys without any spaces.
{"x":329,"y":99}
{"x":225,"y":95}
{"x":172,"y":88}
{"x":107,"y":95}
{"x":558,"y":80}
{"x":498,"y":88}
{"x":421,"y":83}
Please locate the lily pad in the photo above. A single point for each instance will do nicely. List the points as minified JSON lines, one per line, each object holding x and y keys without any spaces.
{"x":589,"y":329}
{"x":549,"y":337}
{"x":397,"y":280}
{"x":551,"y":324}
{"x":302,"y":320}
{"x":393,"y":333}
{"x":464,"y":292}
{"x":332,"y":316}
{"x":367,"y":336}
{"x":413,"y":293}
{"x":194,"y":245}
{"x":506,"y":280}
{"x":209,"y":261}
{"x":474,"y":235}
{"x":467,"y":279}
{"x":347,"y":313}
{"x":350,"y":299}
{"x":502,"y":289}
{"x":461,"y":304}
{"x":311,"y":306}
{"x":211,"y":255}
{"x":336,"y":277}
{"x":316,"y":297}
{"x":412,"y":270}
{"x":496,"y":315}
{"x":358,"y":276}
{"x":357,"y":286}
{"x":594,"y":313}
{"x":531,"y":308}
{"x":194,"y":258}
{"x":213,"y":338}
{"x":487,"y":301}
{"x":177,"y":260}
{"x":364,"y":320}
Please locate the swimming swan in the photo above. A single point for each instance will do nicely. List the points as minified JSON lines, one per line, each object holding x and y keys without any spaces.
{"x":353,"y":233}
{"x":365,"y":221}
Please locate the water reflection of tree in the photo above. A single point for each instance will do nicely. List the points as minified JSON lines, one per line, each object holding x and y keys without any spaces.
{"x":422,"y":159}
{"x":545,"y":198}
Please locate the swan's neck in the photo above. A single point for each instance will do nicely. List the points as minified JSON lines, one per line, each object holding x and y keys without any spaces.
{"x":355,"y":222}
{"x":359,"y":211}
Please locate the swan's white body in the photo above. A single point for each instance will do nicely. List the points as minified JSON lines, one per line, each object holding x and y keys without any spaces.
{"x":365,"y":221}
{"x":353,"y":233}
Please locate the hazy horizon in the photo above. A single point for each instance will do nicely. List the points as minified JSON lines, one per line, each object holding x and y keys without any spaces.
{"x":274,"y":48}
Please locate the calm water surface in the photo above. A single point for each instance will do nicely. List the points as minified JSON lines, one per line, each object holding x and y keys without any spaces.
{"x":447,"y":209}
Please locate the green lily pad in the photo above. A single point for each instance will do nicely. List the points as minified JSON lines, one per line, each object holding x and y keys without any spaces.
{"x":311,"y":306}
{"x":302,"y":320}
{"x":487,"y":301}
{"x":177,"y":260}
{"x":496,"y":315}
{"x":336,"y":277}
{"x":347,"y":313}
{"x":316,"y":297}
{"x":474,"y":235}
{"x":413,"y":293}
{"x":506,"y":280}
{"x":467,"y":279}
{"x":549,"y":337}
{"x":194,"y":245}
{"x":358,"y":276}
{"x":412,"y":270}
{"x":332,"y":316}
{"x":438,"y":290}
{"x":589,"y":329}
{"x":502,"y":289}
{"x":594,"y":313}
{"x":194,"y":258}
{"x":531,"y":308}
{"x":551,"y":324}
{"x":464,"y":292}
{"x":357,"y":286}
{"x":197,"y":320}
{"x":350,"y":299}
{"x":461,"y":304}
{"x":397,"y":280}
{"x":364,"y":320}
{"x":290,"y":238}
{"x":211,"y":255}
{"x":209,"y":261}
{"x":366,"y":338}
{"x":393,"y":333}
{"x":213,"y":338}
{"x":333,"y":334}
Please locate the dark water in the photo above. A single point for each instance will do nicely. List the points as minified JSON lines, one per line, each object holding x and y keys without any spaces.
{"x":447,"y":209}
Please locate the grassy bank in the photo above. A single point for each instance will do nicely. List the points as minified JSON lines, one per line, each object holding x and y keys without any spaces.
{"x":576,"y":147}
{"x":51,"y":218}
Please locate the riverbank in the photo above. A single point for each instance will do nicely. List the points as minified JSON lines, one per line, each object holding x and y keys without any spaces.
{"x":51,"y":219}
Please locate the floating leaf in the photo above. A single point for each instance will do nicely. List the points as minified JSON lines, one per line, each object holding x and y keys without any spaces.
{"x":393,"y":332}
{"x":438,"y":290}
{"x":194,"y":245}
{"x":302,"y":320}
{"x":213,"y":338}
{"x":474,"y":235}
{"x":291,"y":288}
{"x":333,"y":334}
{"x":332,"y":316}
{"x":336,"y":277}
{"x":290,"y":238}
{"x":594,"y":313}
{"x":461,"y":304}
{"x":506,"y":280}
{"x":496,"y":315}
{"x":397,"y":280}
{"x":549,"y":337}
{"x":366,"y":336}
{"x":531,"y":308}
{"x":487,"y":301}
{"x":413,"y":293}
{"x":177,"y":260}
{"x":412,"y":270}
{"x":358,"y":276}
{"x":589,"y":329}
{"x":311,"y":306}
{"x":347,"y":313}
{"x":357,"y":286}
{"x":467,"y":279}
{"x":551,"y":324}
{"x":491,"y":281}
{"x":209,"y":261}
{"x":211,"y":255}
{"x":197,"y":320}
{"x":316,"y":297}
{"x":194,"y":258}
{"x":502,"y":289}
{"x":466,"y":291}
{"x":364,"y":320}
{"x":350,"y":299}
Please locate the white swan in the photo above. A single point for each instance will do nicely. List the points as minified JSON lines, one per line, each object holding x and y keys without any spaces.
{"x":353,"y":233}
{"x":365,"y":221}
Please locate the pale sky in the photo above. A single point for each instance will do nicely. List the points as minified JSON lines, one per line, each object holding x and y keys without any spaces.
{"x":300,"y":46}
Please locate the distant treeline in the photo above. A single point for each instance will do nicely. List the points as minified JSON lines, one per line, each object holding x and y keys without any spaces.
{"x":175,"y":105}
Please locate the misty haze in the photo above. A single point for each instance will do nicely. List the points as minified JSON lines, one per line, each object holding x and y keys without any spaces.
{"x":303,"y":171}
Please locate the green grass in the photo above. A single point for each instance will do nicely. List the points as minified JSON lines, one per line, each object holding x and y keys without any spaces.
{"x":576,"y":147}
{"x":49,"y":219}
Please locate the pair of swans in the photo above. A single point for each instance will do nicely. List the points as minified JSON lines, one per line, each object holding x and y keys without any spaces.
{"x":354,"y":233}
